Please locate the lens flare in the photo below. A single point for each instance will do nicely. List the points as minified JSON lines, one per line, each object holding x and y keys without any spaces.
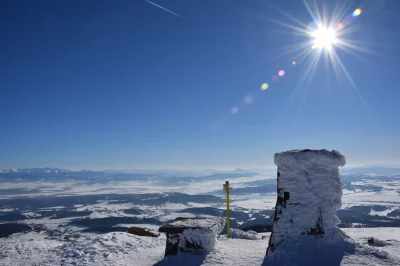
{"x":235,"y":110}
{"x":281,"y":73}
{"x":248,"y":99}
{"x":324,"y":37}
{"x":264,"y":86}
{"x":328,"y":32}
{"x":275,"y":78}
{"x":294,"y":63}
{"x":357,"y":12}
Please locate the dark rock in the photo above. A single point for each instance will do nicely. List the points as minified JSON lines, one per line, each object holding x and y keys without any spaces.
{"x":12,"y":228}
{"x":112,"y":221}
{"x":141,"y":232}
{"x":172,"y":247}
{"x":105,"y":229}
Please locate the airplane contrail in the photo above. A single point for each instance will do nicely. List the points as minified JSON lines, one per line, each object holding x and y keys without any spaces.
{"x":165,"y":9}
{"x":221,"y":36}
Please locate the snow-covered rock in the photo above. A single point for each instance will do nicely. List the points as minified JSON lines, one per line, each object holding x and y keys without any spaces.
{"x":215,"y":224}
{"x":197,"y":239}
{"x":189,"y":234}
{"x":309,"y":193}
{"x":250,"y":235}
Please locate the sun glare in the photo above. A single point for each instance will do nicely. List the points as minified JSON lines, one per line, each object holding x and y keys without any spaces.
{"x":328,"y":32}
{"x":324,"y":37}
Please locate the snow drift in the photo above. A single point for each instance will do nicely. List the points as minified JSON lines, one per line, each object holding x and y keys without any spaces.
{"x":309,"y":193}
{"x":249,"y":235}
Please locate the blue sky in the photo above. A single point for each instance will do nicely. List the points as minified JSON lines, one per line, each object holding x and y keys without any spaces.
{"x":126,"y":84}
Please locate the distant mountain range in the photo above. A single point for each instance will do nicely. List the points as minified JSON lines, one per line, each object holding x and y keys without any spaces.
{"x":44,"y":170}
{"x":48,"y":173}
{"x":57,"y":174}
{"x":373,"y":169}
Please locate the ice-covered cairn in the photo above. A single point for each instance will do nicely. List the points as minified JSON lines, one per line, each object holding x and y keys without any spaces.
{"x":191,"y":234}
{"x":309,"y":193}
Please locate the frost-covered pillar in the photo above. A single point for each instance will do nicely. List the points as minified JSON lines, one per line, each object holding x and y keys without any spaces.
{"x":309,"y":193}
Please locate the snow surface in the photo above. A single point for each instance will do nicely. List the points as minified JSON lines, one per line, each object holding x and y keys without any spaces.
{"x":335,"y":248}
{"x":88,"y":249}
{"x":382,"y":213}
{"x":389,"y":237}
{"x":250,"y":235}
{"x":254,"y":201}
{"x":126,"y":249}
{"x":78,"y":187}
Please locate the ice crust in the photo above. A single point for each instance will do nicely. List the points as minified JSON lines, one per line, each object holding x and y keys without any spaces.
{"x":205,"y":238}
{"x":215,"y":224}
{"x":198,"y":233}
{"x":309,"y":183}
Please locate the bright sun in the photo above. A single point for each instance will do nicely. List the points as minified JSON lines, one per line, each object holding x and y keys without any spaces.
{"x":327,"y":33}
{"x":324,"y":37}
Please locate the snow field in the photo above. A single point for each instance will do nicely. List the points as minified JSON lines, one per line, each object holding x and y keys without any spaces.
{"x":125,"y":249}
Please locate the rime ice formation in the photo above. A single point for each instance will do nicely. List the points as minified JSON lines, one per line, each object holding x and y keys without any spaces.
{"x":250,"y":235}
{"x":190,"y":234}
{"x":309,"y":193}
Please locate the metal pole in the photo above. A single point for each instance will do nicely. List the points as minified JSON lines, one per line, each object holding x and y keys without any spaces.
{"x":228,"y":222}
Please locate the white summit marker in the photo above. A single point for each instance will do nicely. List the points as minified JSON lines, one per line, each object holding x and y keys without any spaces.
{"x":309,"y":193}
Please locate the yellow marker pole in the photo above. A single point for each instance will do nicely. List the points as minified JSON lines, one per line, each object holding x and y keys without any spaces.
{"x":228,"y":222}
